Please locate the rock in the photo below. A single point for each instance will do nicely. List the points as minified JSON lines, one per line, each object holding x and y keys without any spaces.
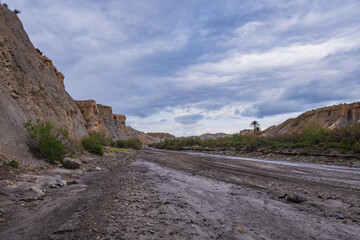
{"x":72,"y":182}
{"x":340,"y":216}
{"x":71,"y":163}
{"x":295,"y":198}
{"x":32,"y":194}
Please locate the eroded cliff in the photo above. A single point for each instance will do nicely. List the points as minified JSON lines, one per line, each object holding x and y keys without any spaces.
{"x":100,"y":119}
{"x":31,"y":87}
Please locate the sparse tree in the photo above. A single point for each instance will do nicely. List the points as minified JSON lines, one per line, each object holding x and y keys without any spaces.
{"x":256,"y":125}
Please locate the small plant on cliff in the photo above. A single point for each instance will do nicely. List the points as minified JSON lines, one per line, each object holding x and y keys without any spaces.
{"x":5,"y":5}
{"x":17,"y":11}
{"x":92,"y":144}
{"x":50,"y":140}
{"x":14,"y":164}
{"x":39,"y":51}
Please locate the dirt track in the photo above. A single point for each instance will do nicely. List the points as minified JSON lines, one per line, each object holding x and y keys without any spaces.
{"x":174,"y":195}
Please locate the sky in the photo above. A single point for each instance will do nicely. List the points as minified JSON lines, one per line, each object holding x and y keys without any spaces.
{"x":189,"y":67}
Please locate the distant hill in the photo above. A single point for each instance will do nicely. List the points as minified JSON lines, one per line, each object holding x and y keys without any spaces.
{"x":337,"y":116}
{"x":206,"y":136}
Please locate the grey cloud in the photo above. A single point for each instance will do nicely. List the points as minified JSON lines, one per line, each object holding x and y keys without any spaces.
{"x":189,"y":119}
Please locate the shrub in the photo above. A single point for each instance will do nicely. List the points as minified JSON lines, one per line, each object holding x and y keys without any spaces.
{"x":5,"y":5}
{"x":92,"y":144}
{"x":133,"y":143}
{"x":50,"y":140}
{"x":16,"y":11}
{"x":101,"y":137}
{"x":130,"y":143}
{"x":314,"y":135}
{"x":14,"y":164}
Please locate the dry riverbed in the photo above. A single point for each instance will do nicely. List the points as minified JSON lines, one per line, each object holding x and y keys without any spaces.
{"x":153,"y":194}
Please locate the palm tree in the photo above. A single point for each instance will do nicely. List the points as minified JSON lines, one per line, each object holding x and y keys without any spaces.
{"x":256,"y":126}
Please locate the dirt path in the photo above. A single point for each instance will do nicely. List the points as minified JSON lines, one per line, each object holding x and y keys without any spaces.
{"x":174,"y":195}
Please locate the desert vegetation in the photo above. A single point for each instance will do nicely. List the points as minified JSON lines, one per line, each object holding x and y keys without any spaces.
{"x":310,"y":141}
{"x":93,"y":143}
{"x":130,"y":143}
{"x":51,"y":141}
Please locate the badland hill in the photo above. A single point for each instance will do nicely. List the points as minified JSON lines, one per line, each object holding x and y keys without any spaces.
{"x":332,"y":117}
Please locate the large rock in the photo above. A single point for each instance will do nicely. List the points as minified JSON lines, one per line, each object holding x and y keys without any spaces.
{"x":30,"y":87}
{"x":337,"y":116}
{"x":71,"y":163}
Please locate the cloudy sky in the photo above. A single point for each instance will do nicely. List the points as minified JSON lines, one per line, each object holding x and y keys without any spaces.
{"x":194,"y":66}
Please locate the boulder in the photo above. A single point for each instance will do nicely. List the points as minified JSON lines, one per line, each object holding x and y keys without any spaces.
{"x":71,"y":163}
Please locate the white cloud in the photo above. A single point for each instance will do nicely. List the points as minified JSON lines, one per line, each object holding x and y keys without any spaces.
{"x":295,"y":55}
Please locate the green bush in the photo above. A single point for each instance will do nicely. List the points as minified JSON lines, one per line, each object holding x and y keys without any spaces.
{"x":50,"y":140}
{"x":130,"y":143}
{"x":14,"y":164}
{"x":92,"y":144}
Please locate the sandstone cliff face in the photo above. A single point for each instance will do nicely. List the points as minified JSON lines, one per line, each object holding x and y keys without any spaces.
{"x":91,"y":114}
{"x":332,"y":117}
{"x":120,"y":124}
{"x":114,"y":127}
{"x":30,"y":88}
{"x":99,"y":118}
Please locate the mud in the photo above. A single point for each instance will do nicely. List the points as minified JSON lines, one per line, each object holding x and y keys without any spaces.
{"x":174,"y":195}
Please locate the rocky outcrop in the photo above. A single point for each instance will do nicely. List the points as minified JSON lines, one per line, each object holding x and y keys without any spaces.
{"x":115,"y":125}
{"x":99,"y":118}
{"x":120,"y":124}
{"x":337,"y":116}
{"x":30,"y":87}
{"x":91,"y":114}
